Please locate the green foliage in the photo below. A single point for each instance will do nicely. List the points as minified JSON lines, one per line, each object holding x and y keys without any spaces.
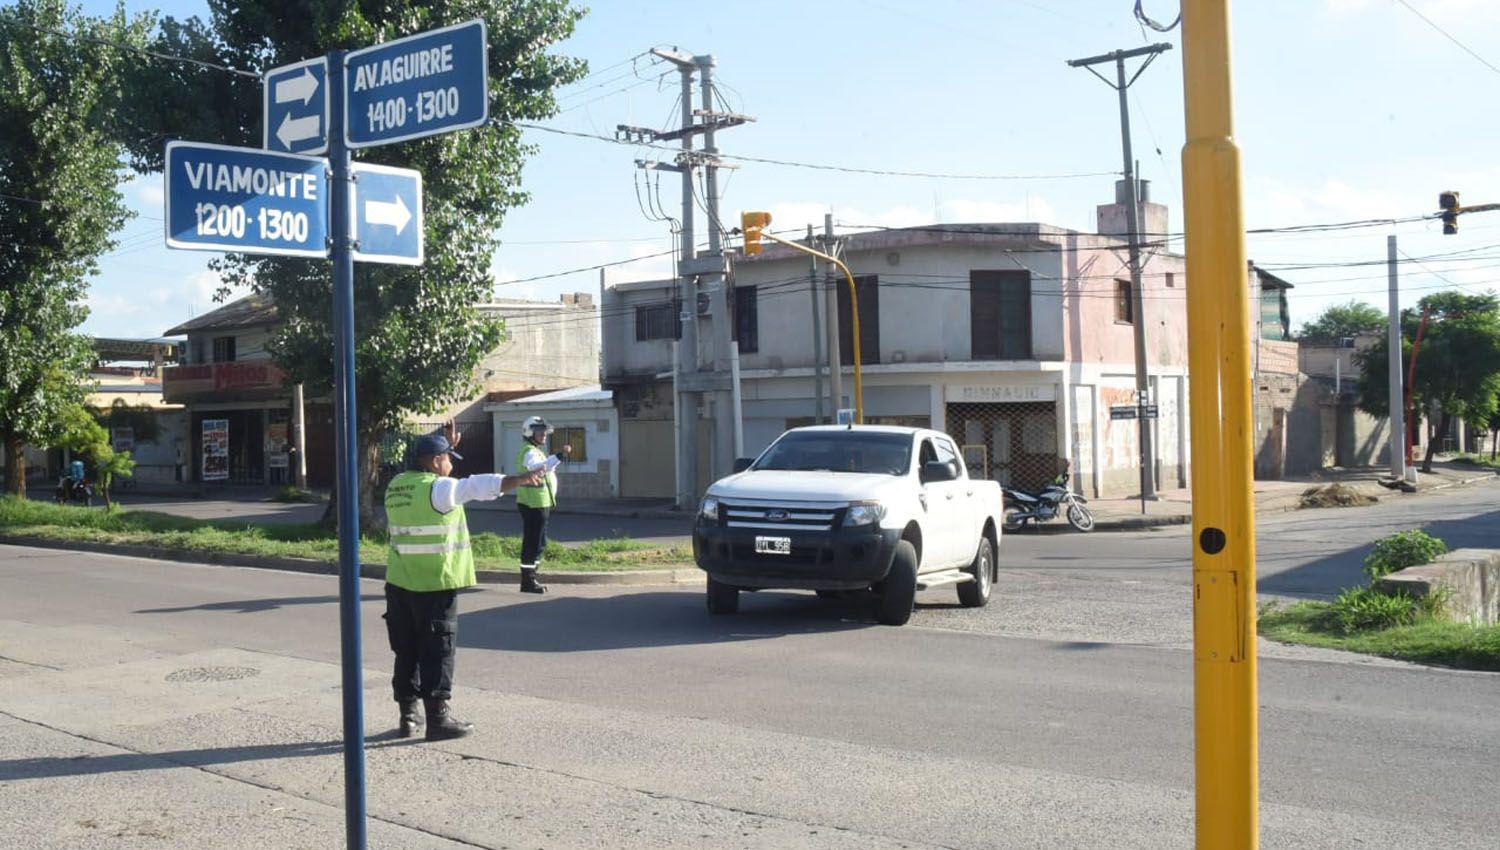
{"x":419,"y":334}
{"x":1425,"y":641}
{"x":1401,"y":550}
{"x":1361,"y":609}
{"x":1348,"y":319}
{"x":82,"y":434}
{"x":60,"y":202}
{"x":290,"y":494}
{"x":1458,"y":365}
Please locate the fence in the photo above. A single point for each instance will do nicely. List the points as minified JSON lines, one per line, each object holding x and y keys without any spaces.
{"x":1015,"y":444}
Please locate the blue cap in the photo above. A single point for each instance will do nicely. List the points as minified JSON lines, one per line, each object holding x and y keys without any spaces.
{"x":430,"y":445}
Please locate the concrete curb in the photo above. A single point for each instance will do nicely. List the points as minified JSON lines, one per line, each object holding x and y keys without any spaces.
{"x":374,"y":571}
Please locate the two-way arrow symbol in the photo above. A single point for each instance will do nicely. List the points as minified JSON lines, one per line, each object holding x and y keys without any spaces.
{"x":393,"y":213}
{"x":297,"y":129}
{"x":301,"y":87}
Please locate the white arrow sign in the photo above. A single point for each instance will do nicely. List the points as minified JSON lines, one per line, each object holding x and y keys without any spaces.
{"x":387,"y":212}
{"x":301,"y":87}
{"x":297,"y":129}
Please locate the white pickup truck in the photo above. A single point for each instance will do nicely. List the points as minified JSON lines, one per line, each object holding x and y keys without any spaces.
{"x":848,"y":508}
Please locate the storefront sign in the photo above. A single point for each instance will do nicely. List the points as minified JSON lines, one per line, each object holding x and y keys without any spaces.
{"x":249,"y":379}
{"x":979,"y":393}
{"x":122,"y":439}
{"x":215,"y":449}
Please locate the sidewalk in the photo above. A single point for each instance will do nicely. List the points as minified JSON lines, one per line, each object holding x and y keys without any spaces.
{"x":1175,"y":506}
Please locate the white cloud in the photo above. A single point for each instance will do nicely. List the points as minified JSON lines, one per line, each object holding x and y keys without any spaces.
{"x":146,"y":190}
{"x":1431,"y":8}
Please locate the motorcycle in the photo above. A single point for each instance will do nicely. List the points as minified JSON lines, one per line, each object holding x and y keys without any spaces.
{"x":1022,"y":506}
{"x":80,"y":491}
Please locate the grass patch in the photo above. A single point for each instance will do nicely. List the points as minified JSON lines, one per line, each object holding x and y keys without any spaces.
{"x":1427,"y":640}
{"x":1479,"y":460}
{"x":295,"y":540}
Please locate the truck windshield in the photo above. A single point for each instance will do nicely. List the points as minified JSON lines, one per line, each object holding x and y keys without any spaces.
{"x":839,"y":451}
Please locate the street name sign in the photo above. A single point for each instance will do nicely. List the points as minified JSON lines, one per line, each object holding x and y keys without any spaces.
{"x":296,"y":107}
{"x":1148,"y":411}
{"x":1123,"y":411}
{"x":246,"y":200}
{"x":421,"y":85}
{"x":386,"y":214}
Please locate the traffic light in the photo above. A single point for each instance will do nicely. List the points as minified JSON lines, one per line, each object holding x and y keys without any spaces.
{"x":1448,"y":202}
{"x":752,"y":223}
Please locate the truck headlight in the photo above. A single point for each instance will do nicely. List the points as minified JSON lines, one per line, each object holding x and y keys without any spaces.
{"x":709,"y":510}
{"x":864,"y":513}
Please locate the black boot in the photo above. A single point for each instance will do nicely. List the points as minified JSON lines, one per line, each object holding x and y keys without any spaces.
{"x":411,"y":719}
{"x":529,"y":584}
{"x":441,"y":725}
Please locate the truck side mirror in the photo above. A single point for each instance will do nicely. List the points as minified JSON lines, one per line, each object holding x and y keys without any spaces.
{"x":743,"y":463}
{"x":934,"y":471}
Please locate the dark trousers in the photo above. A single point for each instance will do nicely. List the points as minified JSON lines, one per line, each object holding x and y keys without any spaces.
{"x":533,"y":534}
{"x":423,"y":627}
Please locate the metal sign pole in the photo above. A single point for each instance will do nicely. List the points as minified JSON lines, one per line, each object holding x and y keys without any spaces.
{"x":346,"y":443}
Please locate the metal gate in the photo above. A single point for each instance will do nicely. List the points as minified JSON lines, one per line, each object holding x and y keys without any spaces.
{"x":1015,"y":444}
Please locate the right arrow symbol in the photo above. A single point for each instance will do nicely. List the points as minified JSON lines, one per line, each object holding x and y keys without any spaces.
{"x":393,"y":213}
{"x":301,"y":87}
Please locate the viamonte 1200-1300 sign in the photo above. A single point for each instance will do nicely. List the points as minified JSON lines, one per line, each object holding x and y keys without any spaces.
{"x":222,"y":198}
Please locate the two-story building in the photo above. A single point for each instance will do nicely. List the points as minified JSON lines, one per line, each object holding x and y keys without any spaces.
{"x":1015,"y":338}
{"x":241,"y":411}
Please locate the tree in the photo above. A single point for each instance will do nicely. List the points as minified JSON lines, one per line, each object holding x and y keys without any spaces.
{"x":1458,"y":364}
{"x":1351,"y":318}
{"x":419,"y":335}
{"x":60,"y":203}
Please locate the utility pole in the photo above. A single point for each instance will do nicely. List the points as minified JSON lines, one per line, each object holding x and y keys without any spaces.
{"x":831,"y":323}
{"x":1132,"y":222}
{"x":817,"y":332}
{"x":1393,"y":365}
{"x":698,"y":277}
{"x":1226,"y":724}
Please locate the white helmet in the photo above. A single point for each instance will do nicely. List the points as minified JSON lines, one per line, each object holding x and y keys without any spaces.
{"x":534,"y":422}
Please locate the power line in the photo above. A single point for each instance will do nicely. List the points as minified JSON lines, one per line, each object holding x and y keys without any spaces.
{"x":165,"y":57}
{"x":933,"y":175}
{"x":1428,"y":21}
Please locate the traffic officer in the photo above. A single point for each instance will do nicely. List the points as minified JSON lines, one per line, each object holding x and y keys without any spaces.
{"x":429,"y":562}
{"x":536,"y":501}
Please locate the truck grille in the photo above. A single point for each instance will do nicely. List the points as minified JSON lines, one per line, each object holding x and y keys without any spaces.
{"x":779,"y":518}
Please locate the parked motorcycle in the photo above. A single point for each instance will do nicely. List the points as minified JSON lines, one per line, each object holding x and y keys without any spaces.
{"x":78,"y":491}
{"x":1022,"y":506}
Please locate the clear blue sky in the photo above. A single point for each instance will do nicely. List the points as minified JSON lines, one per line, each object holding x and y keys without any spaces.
{"x":1345,"y":109}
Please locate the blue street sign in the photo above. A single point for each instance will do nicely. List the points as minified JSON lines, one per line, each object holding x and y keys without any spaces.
{"x":296,"y":107}
{"x":386,"y":214}
{"x":246,"y":200}
{"x":417,"y":86}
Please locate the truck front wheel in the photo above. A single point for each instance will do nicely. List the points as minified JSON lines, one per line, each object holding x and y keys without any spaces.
{"x":899,"y":593}
{"x":722,"y":598}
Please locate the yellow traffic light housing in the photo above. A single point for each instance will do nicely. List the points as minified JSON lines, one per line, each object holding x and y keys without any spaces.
{"x":752,"y":223}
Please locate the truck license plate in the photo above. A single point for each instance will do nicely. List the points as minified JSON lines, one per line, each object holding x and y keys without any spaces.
{"x":773,"y":545}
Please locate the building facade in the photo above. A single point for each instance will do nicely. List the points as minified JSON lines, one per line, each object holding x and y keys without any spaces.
{"x":1016,"y":339}
{"x":240,"y":409}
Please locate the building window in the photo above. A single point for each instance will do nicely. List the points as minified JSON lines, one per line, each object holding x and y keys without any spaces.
{"x":657,"y":321}
{"x":575,"y":437}
{"x":1000,"y":315}
{"x":867,"y":287}
{"x":1171,"y":280}
{"x":1124,"y":305}
{"x":746,"y":319}
{"x":223,"y":349}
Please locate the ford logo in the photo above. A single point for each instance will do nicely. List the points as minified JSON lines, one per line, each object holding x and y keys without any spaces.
{"x":776,"y":516}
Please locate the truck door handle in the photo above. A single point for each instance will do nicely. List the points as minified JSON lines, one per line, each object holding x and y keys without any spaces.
{"x":950,"y":494}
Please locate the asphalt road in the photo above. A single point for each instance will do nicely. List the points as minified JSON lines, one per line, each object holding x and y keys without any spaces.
{"x":1066,"y":705}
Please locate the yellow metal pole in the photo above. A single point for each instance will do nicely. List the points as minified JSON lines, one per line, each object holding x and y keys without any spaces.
{"x":859,"y":392}
{"x":1225,"y":716}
